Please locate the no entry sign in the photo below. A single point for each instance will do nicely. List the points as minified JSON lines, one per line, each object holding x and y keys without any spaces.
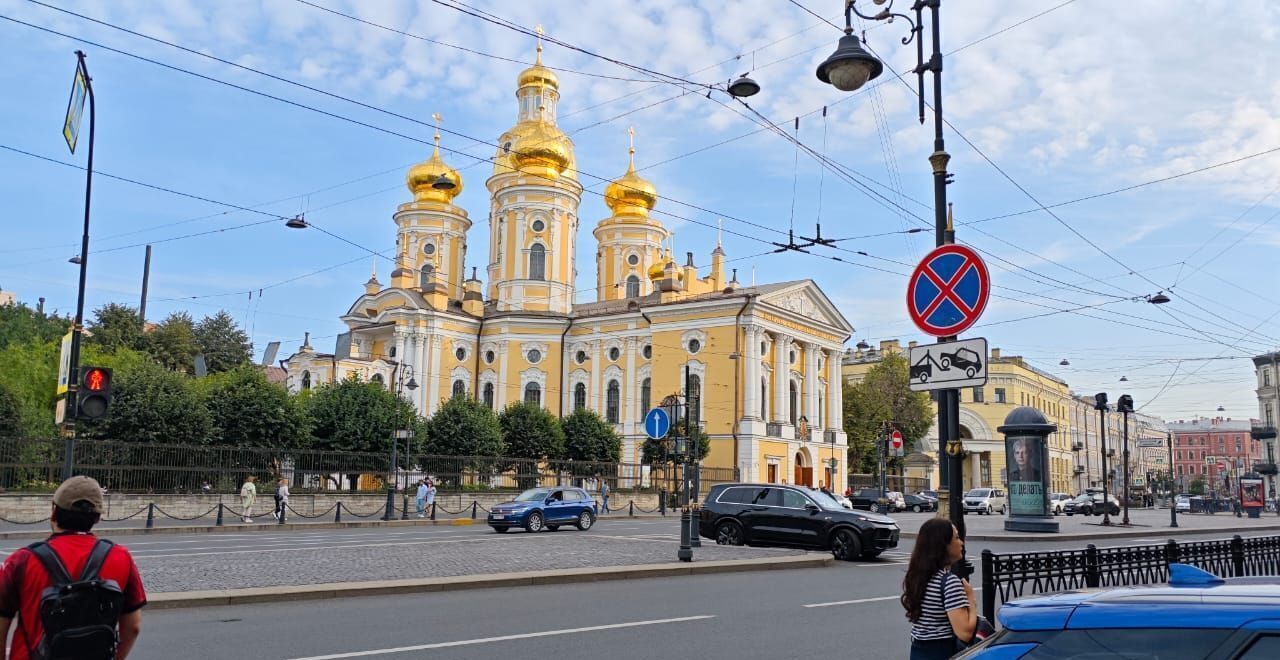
{"x":948,"y":290}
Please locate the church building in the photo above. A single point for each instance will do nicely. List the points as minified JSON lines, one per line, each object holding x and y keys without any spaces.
{"x":765,"y":361}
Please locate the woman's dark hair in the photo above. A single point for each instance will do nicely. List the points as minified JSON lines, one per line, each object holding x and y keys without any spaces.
{"x":73,"y":520}
{"x":930,"y":555}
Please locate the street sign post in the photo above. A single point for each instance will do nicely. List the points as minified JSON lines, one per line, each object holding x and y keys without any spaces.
{"x":895,"y":442}
{"x":1149,"y":443}
{"x":948,"y":365}
{"x":948,"y":290}
{"x":657,"y":423}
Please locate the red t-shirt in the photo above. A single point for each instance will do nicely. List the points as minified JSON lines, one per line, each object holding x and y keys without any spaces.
{"x":23,"y":580}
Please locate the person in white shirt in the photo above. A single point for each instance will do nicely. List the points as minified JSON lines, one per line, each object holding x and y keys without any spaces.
{"x":282,"y":498}
{"x":422,"y":498}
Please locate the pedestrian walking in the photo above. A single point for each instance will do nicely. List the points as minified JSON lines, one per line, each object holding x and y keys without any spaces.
{"x":100,"y":616}
{"x":282,"y":498}
{"x":941,"y":607}
{"x":431,"y":498}
{"x":248,"y":493}
{"x":421,"y":498}
{"x":604,"y":496}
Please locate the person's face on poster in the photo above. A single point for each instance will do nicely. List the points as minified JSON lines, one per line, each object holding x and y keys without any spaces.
{"x":1020,"y":457}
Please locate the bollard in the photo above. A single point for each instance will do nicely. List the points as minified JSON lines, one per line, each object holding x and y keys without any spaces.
{"x":218,"y":523}
{"x":337,"y":513}
{"x":474,"y":504}
{"x":151,"y":515}
{"x":404,"y":507}
{"x":432,"y":506}
{"x":631,"y":508}
{"x":685,"y":553}
{"x":695,"y":539}
{"x":662,"y":503}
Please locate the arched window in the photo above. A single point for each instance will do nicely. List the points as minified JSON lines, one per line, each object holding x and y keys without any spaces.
{"x":579,"y":396}
{"x":613,"y":398}
{"x":795,"y":403}
{"x":459,"y":388}
{"x":537,"y":262}
{"x":695,"y":399}
{"x":306,"y":380}
{"x":633,"y":286}
{"x":646,"y":395}
{"x":533,"y":394}
{"x":488,"y":395}
{"x":377,"y":378}
{"x":428,"y":272}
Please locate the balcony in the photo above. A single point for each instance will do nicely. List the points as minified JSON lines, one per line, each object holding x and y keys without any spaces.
{"x":1077,"y":446}
{"x":773,"y":429}
{"x":1265,"y":468}
{"x":1079,"y":469}
{"x":830,"y":436}
{"x":1263,"y":432}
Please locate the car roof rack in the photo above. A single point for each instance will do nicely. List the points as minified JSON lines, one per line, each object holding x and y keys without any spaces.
{"x":1186,"y":575}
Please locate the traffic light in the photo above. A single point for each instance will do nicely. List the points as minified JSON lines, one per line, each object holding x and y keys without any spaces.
{"x":93,"y":393}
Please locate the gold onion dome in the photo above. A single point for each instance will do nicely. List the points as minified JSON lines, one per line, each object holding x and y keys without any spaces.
{"x":542,"y":147}
{"x":538,"y":75}
{"x":422,"y":178}
{"x":658,"y":270}
{"x":631,"y":193}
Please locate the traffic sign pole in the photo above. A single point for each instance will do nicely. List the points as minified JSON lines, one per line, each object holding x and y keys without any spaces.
{"x":69,"y":448}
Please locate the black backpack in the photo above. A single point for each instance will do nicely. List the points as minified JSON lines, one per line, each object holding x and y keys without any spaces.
{"x":79,"y":616}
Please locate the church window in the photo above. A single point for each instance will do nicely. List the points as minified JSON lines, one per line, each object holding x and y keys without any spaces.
{"x":489,"y":357}
{"x":646,"y":394}
{"x":539,"y":225}
{"x":614,"y":354}
{"x":488,"y":395}
{"x":633,"y":286}
{"x":763,"y":348}
{"x":534,"y":356}
{"x":306,"y":380}
{"x":391,"y":352}
{"x":613,"y":397}
{"x":580,"y":357}
{"x":429,"y":249}
{"x":633,"y":259}
{"x":459,"y":388}
{"x":533,"y":394}
{"x":579,"y":396}
{"x":377,"y":378}
{"x":537,"y":262}
{"x":506,"y":147}
{"x":694,"y":345}
{"x":794,"y":404}
{"x":792,"y":357}
{"x":647,"y":352}
{"x":695,"y":399}
{"x":460,"y":353}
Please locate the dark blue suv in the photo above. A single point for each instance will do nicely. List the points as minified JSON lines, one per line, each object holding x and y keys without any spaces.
{"x":537,"y":509}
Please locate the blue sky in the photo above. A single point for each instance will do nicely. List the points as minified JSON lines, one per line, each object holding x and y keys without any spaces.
{"x":1087,"y":98}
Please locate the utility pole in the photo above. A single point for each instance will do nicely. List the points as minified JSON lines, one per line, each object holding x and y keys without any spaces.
{"x":77,"y":330}
{"x":146,"y":277}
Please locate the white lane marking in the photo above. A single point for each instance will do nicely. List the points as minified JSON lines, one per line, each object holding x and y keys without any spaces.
{"x":853,"y":602}
{"x":506,"y":638}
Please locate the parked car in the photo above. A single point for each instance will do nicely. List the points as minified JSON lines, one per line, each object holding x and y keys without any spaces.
{"x":1196,"y":616}
{"x":897,"y":501}
{"x":840,"y":499}
{"x":1182,"y":504}
{"x":1090,"y":504}
{"x":918,"y":503}
{"x":1057,"y":501}
{"x":869,"y":499}
{"x":790,"y":516}
{"x":537,"y":509}
{"x":931,"y":494}
{"x":985,"y":500}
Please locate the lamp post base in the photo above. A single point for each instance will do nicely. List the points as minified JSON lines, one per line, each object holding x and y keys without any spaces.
{"x":1041,"y":524}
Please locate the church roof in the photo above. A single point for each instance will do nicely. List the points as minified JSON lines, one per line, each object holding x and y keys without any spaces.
{"x":606,"y":307}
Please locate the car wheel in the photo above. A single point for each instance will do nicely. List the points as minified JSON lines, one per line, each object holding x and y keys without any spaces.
{"x":875,"y":508}
{"x":500,"y":530}
{"x":1003,"y":509}
{"x":845,"y":545}
{"x":970,"y":372}
{"x":945,"y":362}
{"x":729,"y":533}
{"x":916,"y":508}
{"x":585,"y":520}
{"x":534,"y":523}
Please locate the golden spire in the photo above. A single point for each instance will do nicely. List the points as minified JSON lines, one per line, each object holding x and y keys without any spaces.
{"x":537,"y":73}
{"x":631,"y":151}
{"x":538,"y":28}
{"x":631,"y":194}
{"x":422,"y":177}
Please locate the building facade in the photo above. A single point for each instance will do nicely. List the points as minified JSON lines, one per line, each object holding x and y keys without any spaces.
{"x":1214,"y":450}
{"x":763,"y":361}
{"x":1086,"y":434}
{"x":1267,"y":369}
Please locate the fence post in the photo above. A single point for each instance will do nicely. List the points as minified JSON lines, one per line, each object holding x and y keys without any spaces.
{"x":988,"y":586}
{"x":1170,"y":552}
{"x":151,"y":515}
{"x":432,"y":505}
{"x":404,"y":506}
{"x":631,"y":508}
{"x":337,"y":512}
{"x":662,"y":502}
{"x":218,"y":522}
{"x":1237,"y":556}
{"x":1092,"y":574}
{"x":474,"y":504}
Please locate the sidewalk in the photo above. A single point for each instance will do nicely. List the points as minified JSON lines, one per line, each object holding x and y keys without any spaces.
{"x":1145,"y":523}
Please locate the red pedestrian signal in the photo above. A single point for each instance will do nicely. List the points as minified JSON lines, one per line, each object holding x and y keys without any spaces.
{"x":93,"y":393}
{"x":96,"y":379}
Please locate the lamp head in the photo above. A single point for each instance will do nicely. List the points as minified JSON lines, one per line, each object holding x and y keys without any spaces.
{"x":743,"y":87}
{"x":296,"y":222}
{"x":1124,"y":404}
{"x":850,"y":67}
{"x":1158,"y":299}
{"x":1100,"y":401}
{"x":412,"y":384}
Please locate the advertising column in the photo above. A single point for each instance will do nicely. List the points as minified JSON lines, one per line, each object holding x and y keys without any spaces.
{"x":1025,"y":432}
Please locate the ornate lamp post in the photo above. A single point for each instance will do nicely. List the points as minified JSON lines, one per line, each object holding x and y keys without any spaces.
{"x":1124,"y":405}
{"x":1100,"y":404}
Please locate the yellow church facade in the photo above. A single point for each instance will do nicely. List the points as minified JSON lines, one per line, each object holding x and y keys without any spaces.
{"x":764,"y":361}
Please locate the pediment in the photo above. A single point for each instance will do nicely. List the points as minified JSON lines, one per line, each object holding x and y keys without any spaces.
{"x":806,"y":299}
{"x":371,"y":307}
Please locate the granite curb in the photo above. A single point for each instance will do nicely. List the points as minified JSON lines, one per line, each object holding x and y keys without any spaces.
{"x":1121,"y":533}
{"x":187,"y":599}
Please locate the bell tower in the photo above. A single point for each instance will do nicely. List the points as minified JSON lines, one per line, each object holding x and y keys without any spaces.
{"x":629,"y":240}
{"x":431,"y":232}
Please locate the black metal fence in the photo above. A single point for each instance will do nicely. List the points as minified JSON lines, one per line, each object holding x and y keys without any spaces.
{"x":36,"y":465}
{"x":893,"y":482}
{"x":1009,"y":576}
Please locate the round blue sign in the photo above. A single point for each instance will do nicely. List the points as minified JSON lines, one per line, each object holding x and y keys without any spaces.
{"x":657,"y":423}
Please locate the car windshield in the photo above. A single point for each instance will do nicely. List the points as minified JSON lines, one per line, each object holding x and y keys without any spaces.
{"x":825,"y":501}
{"x":533,"y":495}
{"x":979,"y":492}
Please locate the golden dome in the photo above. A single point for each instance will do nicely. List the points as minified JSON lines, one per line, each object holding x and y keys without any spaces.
{"x":631,"y":193}
{"x":658,"y":270}
{"x":538,"y":75}
{"x":542,"y":149}
{"x":421,"y":178}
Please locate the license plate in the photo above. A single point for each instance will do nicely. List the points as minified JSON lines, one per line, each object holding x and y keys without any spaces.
{"x":498,"y":516}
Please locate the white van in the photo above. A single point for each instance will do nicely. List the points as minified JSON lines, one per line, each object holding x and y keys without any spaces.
{"x":985,"y":500}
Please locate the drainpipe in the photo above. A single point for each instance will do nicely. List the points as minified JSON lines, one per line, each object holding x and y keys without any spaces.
{"x":480,"y":330}
{"x":564,"y":371}
{"x":737,"y":372}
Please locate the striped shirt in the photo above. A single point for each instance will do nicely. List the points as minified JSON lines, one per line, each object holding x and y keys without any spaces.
{"x":944,"y":593}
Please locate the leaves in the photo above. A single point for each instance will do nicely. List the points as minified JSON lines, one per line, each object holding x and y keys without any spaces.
{"x":249,"y":411}
{"x":172,"y":343}
{"x":115,"y":326}
{"x":224,"y":345}
{"x":20,"y":324}
{"x":883,"y":395}
{"x":152,"y":404}
{"x":10,"y":414}
{"x":655,"y":452}
{"x":357,"y":416}
{"x":464,"y":427}
{"x":529,"y":431}
{"x":588,"y":437}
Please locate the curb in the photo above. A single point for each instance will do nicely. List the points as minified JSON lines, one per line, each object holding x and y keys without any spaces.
{"x":1142,"y":532}
{"x":187,"y":599}
{"x":275,"y":527}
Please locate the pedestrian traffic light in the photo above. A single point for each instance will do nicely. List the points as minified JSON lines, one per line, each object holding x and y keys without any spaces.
{"x":93,"y":393}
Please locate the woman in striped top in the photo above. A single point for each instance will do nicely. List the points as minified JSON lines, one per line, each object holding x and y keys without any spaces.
{"x":940,"y":606}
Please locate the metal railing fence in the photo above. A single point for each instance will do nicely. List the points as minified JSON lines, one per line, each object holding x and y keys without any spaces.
{"x":894,"y":482}
{"x":36,"y":464}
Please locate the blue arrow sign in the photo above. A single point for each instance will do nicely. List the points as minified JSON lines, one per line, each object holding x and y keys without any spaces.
{"x":657,"y":423}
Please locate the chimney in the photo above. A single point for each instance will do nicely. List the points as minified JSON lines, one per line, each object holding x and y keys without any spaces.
{"x":995,"y":354}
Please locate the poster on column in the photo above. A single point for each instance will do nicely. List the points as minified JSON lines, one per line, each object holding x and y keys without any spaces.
{"x":1251,"y":492}
{"x":1024,"y":457}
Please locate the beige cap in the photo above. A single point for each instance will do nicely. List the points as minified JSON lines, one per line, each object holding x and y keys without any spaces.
{"x":79,"y":489}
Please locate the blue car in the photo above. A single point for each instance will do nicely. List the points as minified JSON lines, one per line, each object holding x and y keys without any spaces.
{"x":537,"y":509}
{"x":1197,"y":615}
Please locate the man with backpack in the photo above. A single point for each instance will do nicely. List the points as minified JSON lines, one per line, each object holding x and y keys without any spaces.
{"x":73,"y":595}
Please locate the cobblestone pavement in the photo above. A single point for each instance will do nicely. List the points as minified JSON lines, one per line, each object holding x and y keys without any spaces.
{"x":228,"y":561}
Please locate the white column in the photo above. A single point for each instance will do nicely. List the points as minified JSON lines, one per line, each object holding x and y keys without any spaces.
{"x":975,"y":469}
{"x":433,"y":387}
{"x":419,"y":371}
{"x":597,"y":356}
{"x":781,"y":379}
{"x":500,"y":396}
{"x":631,"y":390}
{"x":811,"y":385}
{"x":400,"y":342}
{"x":835,"y":411}
{"x":751,"y":369}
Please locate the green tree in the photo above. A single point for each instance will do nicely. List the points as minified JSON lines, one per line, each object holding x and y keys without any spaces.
{"x":10,"y":414}
{"x":465,"y":427}
{"x":152,"y":404}
{"x":29,"y":371}
{"x":588,"y":437}
{"x":173,"y":343}
{"x":115,"y":326}
{"x":883,"y":395}
{"x":530,"y":432}
{"x":1197,"y":487}
{"x":224,"y":344}
{"x":20,"y":324}
{"x":248,"y":411}
{"x":353,"y":415}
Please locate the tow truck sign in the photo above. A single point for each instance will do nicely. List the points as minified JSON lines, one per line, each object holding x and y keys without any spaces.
{"x":949,"y":365}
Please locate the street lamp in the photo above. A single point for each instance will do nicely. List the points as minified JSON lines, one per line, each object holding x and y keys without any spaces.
{"x":1100,"y":404}
{"x":398,"y":385}
{"x":296,"y":222}
{"x":1124,"y":405}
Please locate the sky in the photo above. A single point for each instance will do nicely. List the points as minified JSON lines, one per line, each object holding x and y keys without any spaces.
{"x":1148,"y":128}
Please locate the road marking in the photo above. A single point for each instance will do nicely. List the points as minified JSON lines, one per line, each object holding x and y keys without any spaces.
{"x":853,"y":602}
{"x":506,"y":638}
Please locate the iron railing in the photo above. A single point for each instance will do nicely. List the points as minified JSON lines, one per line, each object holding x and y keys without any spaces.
{"x":893,"y":482}
{"x":36,"y":465}
{"x":1011,"y":575}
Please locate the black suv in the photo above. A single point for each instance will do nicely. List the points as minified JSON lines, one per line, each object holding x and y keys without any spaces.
{"x":775,"y":515}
